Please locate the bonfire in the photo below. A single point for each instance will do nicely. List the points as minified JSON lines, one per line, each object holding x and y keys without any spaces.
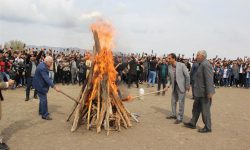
{"x":98,"y":102}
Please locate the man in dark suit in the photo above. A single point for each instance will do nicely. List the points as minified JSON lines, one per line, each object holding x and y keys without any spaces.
{"x":192,"y":75}
{"x":203,"y":92}
{"x":41,"y":83}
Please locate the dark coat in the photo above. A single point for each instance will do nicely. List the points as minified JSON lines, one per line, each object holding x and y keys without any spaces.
{"x":203,"y":81}
{"x":41,"y":81}
{"x":159,"y":71}
{"x":193,"y":71}
{"x":132,"y":67}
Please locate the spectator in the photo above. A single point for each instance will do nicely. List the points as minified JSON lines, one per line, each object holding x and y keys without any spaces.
{"x":162,"y":72}
{"x":152,"y":72}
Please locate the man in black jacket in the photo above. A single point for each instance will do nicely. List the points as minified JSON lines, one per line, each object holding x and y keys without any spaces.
{"x":132,"y":73}
{"x":30,"y":72}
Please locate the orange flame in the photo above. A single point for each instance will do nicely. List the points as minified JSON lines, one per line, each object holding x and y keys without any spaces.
{"x":127,"y":99}
{"x":104,"y":62}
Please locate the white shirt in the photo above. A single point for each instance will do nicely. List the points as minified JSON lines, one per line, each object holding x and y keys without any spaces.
{"x":241,"y":69}
{"x":248,"y":75}
{"x":225,"y":73}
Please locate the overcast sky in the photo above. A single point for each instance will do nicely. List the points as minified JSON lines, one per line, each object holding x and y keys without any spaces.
{"x":183,"y":26}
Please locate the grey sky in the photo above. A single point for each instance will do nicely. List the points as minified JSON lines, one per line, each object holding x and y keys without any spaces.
{"x":183,"y":26}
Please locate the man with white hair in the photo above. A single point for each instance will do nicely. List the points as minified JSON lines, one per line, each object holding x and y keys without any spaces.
{"x":203,"y":92}
{"x":41,"y":83}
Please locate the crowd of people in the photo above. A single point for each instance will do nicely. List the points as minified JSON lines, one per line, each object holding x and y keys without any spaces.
{"x":71,"y":67}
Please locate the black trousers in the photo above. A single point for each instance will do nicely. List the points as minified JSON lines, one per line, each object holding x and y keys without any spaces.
{"x":59,"y":76}
{"x":132,"y":78}
{"x":28,"y":87}
{"x":139,"y":76}
{"x":242,"y":79}
{"x":66,"y":77}
{"x":161,"y":81}
{"x":202,"y":105}
{"x":82,"y":77}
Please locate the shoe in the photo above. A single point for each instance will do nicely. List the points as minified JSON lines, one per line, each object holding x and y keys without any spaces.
{"x":171,"y":117}
{"x":35,"y":97}
{"x":204,"y":130}
{"x":177,"y":121}
{"x":3,"y":146}
{"x":46,"y":118}
{"x":26,"y":99}
{"x":40,"y":114}
{"x":189,"y":125}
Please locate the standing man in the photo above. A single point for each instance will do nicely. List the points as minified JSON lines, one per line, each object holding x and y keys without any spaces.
{"x":41,"y":83}
{"x":162,"y":72}
{"x":132,"y":73}
{"x":152,"y":71}
{"x":180,"y":80}
{"x":30,"y":72}
{"x":192,"y":75}
{"x":203,"y":92}
{"x":73,"y":69}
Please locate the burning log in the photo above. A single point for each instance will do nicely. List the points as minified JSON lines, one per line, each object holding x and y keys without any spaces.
{"x":99,"y":104}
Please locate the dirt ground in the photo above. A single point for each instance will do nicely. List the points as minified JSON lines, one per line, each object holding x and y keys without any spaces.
{"x":23,"y":129}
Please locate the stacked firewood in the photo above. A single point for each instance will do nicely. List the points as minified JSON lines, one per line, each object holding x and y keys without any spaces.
{"x":99,"y":105}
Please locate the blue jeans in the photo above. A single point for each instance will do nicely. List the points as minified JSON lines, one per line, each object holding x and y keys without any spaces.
{"x":247,"y":82}
{"x":151,"y":77}
{"x":225,"y":81}
{"x":43,"y":104}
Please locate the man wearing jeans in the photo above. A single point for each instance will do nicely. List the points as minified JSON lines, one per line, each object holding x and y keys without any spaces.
{"x":152,"y":72}
{"x":41,"y":83}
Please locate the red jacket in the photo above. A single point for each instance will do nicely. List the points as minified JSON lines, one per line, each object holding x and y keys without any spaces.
{"x":3,"y":68}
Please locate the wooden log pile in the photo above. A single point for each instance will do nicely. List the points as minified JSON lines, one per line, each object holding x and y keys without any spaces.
{"x":99,"y":105}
